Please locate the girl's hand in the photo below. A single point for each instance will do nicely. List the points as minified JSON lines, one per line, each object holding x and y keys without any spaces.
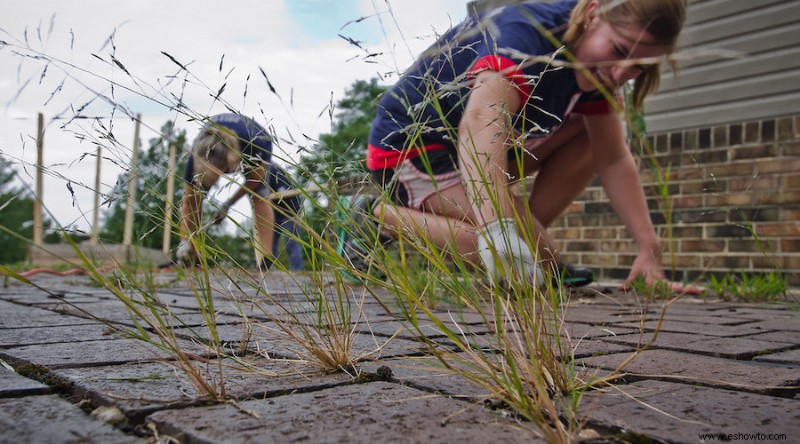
{"x":186,"y":253}
{"x":647,"y":266}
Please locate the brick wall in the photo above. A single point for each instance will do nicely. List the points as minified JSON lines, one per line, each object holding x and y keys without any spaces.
{"x":735,"y":196}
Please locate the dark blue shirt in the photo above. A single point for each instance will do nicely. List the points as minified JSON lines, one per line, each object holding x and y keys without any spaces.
{"x":424,"y":108}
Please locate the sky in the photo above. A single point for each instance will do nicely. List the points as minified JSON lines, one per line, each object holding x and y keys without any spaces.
{"x":112,"y":60}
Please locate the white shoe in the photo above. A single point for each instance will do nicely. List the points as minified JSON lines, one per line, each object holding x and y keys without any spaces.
{"x":506,"y":255}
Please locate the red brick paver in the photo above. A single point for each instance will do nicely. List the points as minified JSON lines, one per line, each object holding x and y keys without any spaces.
{"x":700,"y":367}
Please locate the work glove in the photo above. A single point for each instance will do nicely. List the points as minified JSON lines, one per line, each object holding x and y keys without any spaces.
{"x":505,"y":254}
{"x":186,"y":253}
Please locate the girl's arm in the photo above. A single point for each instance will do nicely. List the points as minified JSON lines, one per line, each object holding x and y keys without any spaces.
{"x":619,"y":176}
{"x":482,"y":135}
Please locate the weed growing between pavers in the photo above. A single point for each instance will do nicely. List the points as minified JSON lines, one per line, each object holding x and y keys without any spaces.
{"x":753,"y":286}
{"x":750,"y":287}
{"x":747,"y":287}
{"x":526,"y":365}
{"x":155,"y":324}
{"x":321,"y":322}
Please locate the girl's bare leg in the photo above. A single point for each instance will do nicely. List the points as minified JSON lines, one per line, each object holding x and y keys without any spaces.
{"x":191,"y":210}
{"x":563,"y":168}
{"x":563,"y":173}
{"x":445,"y":221}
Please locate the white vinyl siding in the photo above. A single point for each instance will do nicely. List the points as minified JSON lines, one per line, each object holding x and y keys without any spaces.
{"x":750,"y":70}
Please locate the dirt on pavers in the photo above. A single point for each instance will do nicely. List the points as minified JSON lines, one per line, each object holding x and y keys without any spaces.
{"x":428,"y":374}
{"x":703,"y":366}
{"x":14,"y":385}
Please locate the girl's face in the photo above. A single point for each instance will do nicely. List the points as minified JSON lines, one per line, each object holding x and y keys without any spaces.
{"x":602,"y":45}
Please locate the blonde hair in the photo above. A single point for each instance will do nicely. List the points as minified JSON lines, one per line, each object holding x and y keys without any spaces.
{"x":215,"y":152}
{"x":662,"y":19}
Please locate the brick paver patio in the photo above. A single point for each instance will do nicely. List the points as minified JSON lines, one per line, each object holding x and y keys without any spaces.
{"x":715,"y":367}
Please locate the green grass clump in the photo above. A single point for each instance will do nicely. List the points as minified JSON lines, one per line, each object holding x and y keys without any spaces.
{"x":753,"y":287}
{"x":656,"y":290}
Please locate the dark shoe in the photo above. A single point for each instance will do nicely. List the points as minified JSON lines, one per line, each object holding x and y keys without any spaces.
{"x":571,"y":276}
{"x":359,"y":234}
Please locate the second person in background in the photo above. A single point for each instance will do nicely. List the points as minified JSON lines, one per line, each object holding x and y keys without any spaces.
{"x":228,"y":143}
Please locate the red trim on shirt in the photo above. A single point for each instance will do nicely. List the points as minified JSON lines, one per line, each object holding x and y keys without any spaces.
{"x":507,"y":68}
{"x":381,"y":159}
